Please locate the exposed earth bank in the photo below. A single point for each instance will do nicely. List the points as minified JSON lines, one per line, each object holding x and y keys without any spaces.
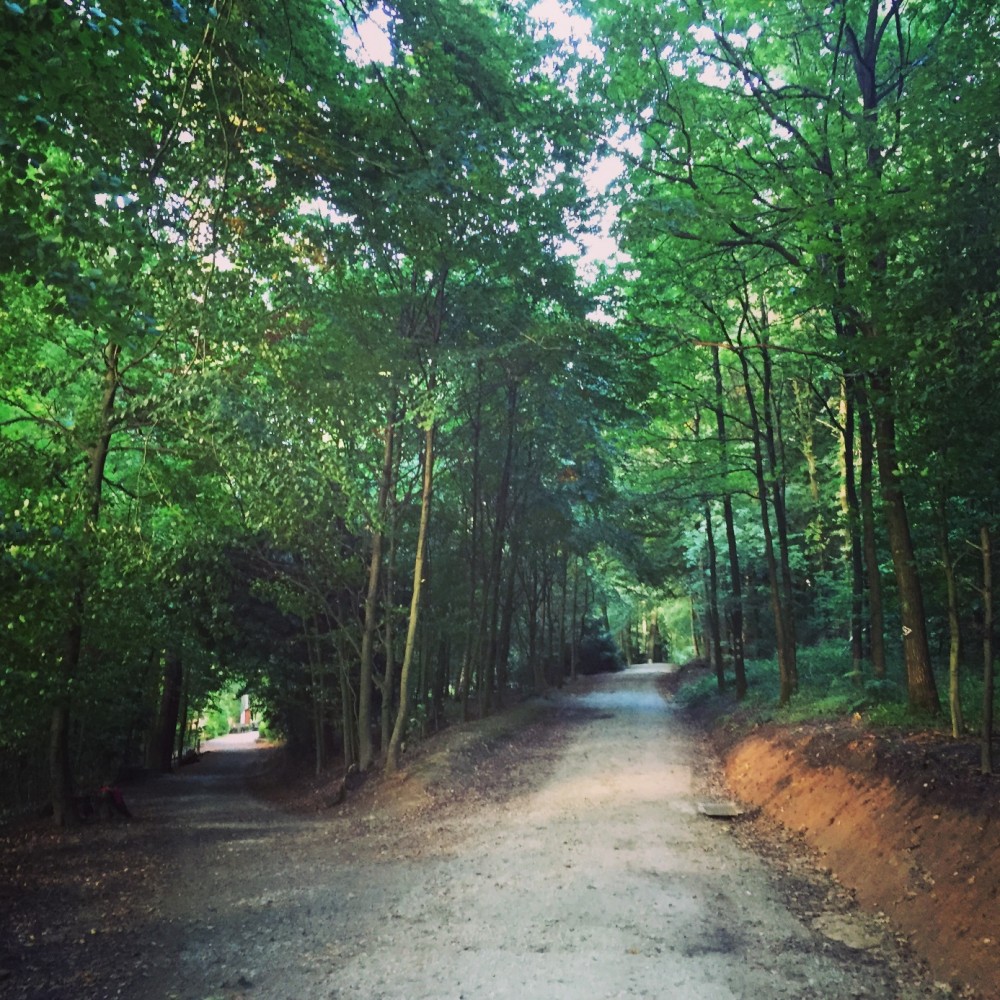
{"x":907,"y":823}
{"x":555,"y":851}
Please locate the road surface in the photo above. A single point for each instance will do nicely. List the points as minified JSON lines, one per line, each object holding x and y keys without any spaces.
{"x":597,"y":878}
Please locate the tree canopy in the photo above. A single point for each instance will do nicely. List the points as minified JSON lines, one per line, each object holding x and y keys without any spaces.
{"x":303,"y":392}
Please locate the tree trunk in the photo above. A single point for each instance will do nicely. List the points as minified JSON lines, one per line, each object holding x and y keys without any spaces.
{"x":497,"y":547}
{"x":776,"y":474}
{"x":388,"y":685}
{"x":442,"y":679}
{"x":786,"y":660}
{"x":818,"y":538}
{"x":318,"y":699}
{"x":185,"y":705}
{"x":876,"y":614}
{"x":473,"y":635}
{"x":574,"y":621}
{"x":160,"y":750}
{"x":654,"y":644}
{"x":60,"y":773}
{"x":534,"y":594}
{"x":563,"y":601}
{"x":921,"y":687}
{"x":365,"y":749}
{"x":60,"y":770}
{"x":349,"y":718}
{"x":695,"y":639}
{"x":734,"y":605}
{"x":507,"y":619}
{"x":954,"y":624}
{"x":713,"y":602}
{"x":402,"y":714}
{"x":986,"y":547}
{"x":548,"y":618}
{"x":853,"y":527}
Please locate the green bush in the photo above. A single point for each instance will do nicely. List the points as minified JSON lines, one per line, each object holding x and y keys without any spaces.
{"x":598,"y":652}
{"x":268,"y":732}
{"x":828,"y":688}
{"x":891,"y":715}
{"x":697,"y":692}
{"x":222,"y":706}
{"x":883,"y":691}
{"x":824,"y":664}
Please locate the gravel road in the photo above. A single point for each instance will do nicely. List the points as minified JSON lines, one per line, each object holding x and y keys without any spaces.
{"x":596,"y":878}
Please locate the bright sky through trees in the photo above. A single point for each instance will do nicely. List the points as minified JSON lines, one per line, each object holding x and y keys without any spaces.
{"x":369,"y":41}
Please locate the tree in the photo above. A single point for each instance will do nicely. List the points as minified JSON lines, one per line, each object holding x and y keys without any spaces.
{"x":128,"y":265}
{"x":752,"y":149}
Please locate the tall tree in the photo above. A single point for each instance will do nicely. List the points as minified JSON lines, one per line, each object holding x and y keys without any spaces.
{"x":125,"y":221}
{"x":752,"y":146}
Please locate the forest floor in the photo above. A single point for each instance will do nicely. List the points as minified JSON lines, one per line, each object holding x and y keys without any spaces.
{"x":556,"y":850}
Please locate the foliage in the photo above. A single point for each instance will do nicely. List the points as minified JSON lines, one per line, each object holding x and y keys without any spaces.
{"x":222,"y":710}
{"x":786,"y":238}
{"x":258,"y":280}
{"x":598,"y":652}
{"x":826,"y":692}
{"x":224,"y":273}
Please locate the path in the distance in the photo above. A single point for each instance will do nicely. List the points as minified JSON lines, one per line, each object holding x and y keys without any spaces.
{"x":603,"y":882}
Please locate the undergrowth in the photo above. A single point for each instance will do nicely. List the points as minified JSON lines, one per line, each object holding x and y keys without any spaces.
{"x":830,"y":689}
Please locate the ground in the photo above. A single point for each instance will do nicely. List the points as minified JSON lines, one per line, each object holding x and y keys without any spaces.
{"x":555,"y":850}
{"x":906,"y":821}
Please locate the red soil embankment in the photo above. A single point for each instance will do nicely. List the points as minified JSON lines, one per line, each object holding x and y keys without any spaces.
{"x":932,"y":866}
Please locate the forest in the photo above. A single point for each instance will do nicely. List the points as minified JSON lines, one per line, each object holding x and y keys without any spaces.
{"x":387,"y":361}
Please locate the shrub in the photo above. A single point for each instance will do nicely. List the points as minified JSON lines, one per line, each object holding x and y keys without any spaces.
{"x":697,"y":692}
{"x":599,"y":654}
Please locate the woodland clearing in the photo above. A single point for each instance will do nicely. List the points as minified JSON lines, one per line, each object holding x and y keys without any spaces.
{"x":555,"y":850}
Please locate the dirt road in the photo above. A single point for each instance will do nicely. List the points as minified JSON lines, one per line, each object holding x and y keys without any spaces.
{"x":592,"y":876}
